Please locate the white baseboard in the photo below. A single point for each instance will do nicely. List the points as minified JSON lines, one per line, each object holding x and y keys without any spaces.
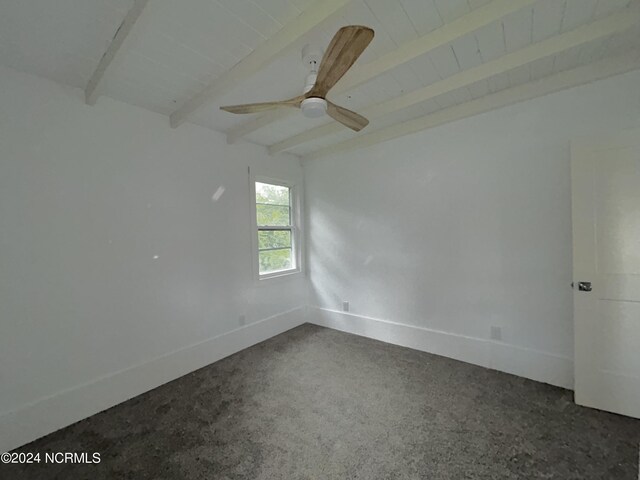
{"x":57,"y":411}
{"x":524,"y":362}
{"x":61,"y":409}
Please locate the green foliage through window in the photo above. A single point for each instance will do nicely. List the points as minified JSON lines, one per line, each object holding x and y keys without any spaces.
{"x":272,"y":194}
{"x":272,"y":214}
{"x":275,"y":260}
{"x":275,"y":243}
{"x":270,"y":239}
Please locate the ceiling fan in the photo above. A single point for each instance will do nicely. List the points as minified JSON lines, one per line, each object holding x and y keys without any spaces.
{"x":346,"y":46}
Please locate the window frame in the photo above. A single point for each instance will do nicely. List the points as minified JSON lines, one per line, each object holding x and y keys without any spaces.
{"x":294,"y":227}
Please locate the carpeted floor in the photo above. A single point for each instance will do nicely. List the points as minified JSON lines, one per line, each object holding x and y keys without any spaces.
{"x":315,"y":403}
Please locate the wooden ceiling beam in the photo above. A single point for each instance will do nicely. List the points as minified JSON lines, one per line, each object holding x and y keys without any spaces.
{"x":599,"y":29}
{"x":91,"y":91}
{"x":261,"y":56}
{"x":443,"y":35}
{"x":256,"y":123}
{"x":553,"y":83}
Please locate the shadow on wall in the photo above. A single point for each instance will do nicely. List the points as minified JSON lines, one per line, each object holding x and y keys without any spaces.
{"x":345,"y":267}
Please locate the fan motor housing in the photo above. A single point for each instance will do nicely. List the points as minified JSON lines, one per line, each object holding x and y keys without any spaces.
{"x":313,"y":107}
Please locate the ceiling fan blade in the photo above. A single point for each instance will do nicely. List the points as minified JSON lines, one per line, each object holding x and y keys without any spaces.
{"x":346,"y":117}
{"x":345,"y":48}
{"x":262,"y":107}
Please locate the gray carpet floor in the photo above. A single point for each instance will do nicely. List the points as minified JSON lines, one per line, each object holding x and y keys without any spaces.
{"x":315,"y":403}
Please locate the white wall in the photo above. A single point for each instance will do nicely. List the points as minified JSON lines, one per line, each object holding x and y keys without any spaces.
{"x":458,"y":228}
{"x":88,"y":197}
{"x":445,"y":233}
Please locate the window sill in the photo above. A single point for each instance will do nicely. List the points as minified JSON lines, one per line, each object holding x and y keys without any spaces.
{"x":283,"y":275}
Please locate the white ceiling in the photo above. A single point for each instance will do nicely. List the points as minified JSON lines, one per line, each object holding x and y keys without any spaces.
{"x":177,"y":48}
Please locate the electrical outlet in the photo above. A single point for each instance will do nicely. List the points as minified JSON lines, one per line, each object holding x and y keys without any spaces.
{"x":345,"y":306}
{"x":496,"y":333}
{"x":242,"y":320}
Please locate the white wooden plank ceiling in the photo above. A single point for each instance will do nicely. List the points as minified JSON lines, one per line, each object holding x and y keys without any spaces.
{"x":175,"y":50}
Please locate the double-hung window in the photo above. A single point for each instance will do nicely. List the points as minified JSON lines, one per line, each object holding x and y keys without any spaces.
{"x":275,"y":219}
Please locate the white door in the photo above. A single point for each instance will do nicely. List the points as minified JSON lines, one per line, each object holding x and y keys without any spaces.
{"x":605,"y":176}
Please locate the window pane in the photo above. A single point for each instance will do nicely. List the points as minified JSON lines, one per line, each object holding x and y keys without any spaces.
{"x":275,"y":247}
{"x":273,"y":215}
{"x":273,"y":194}
{"x":274,"y":239}
{"x":275,"y":260}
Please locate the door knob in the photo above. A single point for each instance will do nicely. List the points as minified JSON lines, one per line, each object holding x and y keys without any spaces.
{"x":583,"y":286}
